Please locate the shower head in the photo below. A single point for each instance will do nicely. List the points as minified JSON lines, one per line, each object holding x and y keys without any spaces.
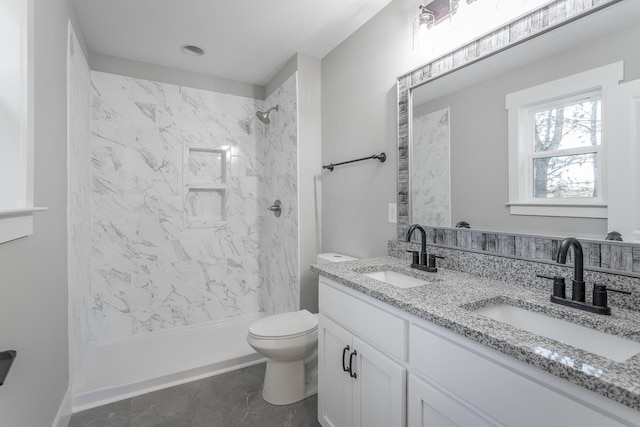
{"x":264,"y":115}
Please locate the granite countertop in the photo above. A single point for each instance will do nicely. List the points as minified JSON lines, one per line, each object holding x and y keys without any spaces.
{"x":449,"y":300}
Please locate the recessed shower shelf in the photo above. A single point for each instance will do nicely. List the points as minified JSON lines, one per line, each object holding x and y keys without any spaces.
{"x":205,"y":186}
{"x":206,"y":166}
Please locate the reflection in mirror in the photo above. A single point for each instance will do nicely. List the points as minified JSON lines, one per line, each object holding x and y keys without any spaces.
{"x":472,"y":89}
{"x":429,"y":168}
{"x":566,"y":128}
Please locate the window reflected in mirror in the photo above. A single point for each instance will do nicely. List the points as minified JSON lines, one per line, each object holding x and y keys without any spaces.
{"x":566,"y":149}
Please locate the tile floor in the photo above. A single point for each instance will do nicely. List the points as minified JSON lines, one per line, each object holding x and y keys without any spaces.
{"x":233,"y":399}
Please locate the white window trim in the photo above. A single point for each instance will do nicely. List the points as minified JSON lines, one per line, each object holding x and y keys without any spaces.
{"x":518,"y":104}
{"x":18,"y":222}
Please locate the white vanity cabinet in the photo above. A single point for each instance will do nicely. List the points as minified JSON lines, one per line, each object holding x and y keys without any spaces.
{"x":451,"y":380}
{"x":472,"y":385}
{"x":359,"y":384}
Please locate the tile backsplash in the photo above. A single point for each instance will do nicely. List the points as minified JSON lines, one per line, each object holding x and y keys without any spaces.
{"x":518,"y":259}
{"x":602,"y":255}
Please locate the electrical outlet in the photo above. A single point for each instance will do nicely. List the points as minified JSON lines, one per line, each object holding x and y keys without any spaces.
{"x":393,"y":213}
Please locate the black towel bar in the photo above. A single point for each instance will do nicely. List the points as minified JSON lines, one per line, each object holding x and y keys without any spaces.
{"x":382,"y":157}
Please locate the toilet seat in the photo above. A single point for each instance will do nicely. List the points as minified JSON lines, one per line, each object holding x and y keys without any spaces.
{"x":284,"y":326}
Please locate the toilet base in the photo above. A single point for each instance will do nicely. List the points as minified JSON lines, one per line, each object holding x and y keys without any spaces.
{"x":284,"y":383}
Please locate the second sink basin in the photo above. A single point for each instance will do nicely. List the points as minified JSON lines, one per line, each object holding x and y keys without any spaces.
{"x":610,"y":346}
{"x":398,"y":280}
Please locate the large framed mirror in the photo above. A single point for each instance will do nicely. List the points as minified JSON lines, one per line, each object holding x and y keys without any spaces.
{"x":458,"y":103}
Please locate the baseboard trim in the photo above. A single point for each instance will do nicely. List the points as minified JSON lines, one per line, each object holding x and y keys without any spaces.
{"x":64,"y":411}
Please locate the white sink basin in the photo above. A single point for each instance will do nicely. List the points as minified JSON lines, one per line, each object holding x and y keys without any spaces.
{"x":603,"y":344}
{"x":398,"y":280}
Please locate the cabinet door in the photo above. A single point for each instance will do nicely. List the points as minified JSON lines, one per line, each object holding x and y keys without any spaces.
{"x":430,"y":407}
{"x":334,"y":384}
{"x":379,"y":392}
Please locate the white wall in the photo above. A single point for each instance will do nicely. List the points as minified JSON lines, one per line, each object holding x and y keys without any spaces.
{"x":309,"y":172}
{"x":358,"y":120}
{"x":33,"y":299}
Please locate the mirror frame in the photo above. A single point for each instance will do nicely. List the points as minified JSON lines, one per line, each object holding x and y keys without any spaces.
{"x":502,"y":38}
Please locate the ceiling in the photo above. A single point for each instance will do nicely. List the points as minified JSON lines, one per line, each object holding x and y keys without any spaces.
{"x":245,"y":40}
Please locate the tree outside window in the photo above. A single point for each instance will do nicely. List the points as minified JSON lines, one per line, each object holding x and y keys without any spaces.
{"x":567,"y":149}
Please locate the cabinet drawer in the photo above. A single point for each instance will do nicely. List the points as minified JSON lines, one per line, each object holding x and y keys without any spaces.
{"x":378,"y":327}
{"x":429,"y":406}
{"x":495,"y":389}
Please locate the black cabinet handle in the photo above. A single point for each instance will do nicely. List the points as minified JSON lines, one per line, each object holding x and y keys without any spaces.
{"x":344,"y":353}
{"x":351,"y":372}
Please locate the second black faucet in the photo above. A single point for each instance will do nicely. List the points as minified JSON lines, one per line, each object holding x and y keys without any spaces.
{"x":599,"y":299}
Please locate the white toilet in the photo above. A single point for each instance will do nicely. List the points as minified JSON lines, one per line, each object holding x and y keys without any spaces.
{"x":289,"y":341}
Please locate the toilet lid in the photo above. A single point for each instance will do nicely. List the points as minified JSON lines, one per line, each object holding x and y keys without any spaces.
{"x":285,"y":325}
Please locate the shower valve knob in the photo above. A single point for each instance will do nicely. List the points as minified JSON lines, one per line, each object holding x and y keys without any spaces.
{"x":276,"y":208}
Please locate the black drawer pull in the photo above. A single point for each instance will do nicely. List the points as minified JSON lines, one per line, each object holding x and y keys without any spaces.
{"x":344,"y":353}
{"x":351,"y":372}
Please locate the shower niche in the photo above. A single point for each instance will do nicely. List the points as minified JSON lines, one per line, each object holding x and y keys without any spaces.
{"x":205,"y":192}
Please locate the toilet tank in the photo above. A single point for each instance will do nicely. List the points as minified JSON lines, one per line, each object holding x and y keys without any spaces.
{"x":330,"y":257}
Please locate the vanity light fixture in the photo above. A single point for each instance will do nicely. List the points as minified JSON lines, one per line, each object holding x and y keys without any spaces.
{"x":430,"y":14}
{"x":192,"y":50}
{"x":426,"y":18}
{"x":435,"y":11}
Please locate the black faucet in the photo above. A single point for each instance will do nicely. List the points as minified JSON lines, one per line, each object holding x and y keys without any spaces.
{"x":420,"y":260}
{"x":578,"y":266}
{"x":599,"y":304}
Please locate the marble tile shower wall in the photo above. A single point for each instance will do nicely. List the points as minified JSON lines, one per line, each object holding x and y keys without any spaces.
{"x":150,"y":271}
{"x":79,"y":202}
{"x":280,"y":257}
